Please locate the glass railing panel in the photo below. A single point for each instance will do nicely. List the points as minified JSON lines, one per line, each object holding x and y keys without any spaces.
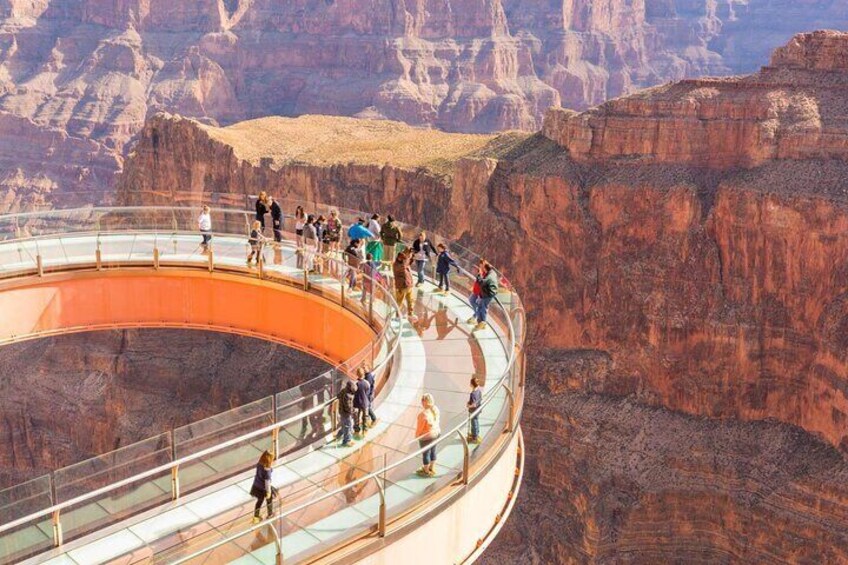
{"x":32,"y":537}
{"x":25,"y":498}
{"x":491,"y":422}
{"x":20,"y":256}
{"x":405,"y":487}
{"x":104,"y":470}
{"x":26,"y":540}
{"x":118,"y":504}
{"x":219,"y":429}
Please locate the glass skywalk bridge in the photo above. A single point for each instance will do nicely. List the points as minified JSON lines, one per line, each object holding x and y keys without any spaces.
{"x":183,"y":496}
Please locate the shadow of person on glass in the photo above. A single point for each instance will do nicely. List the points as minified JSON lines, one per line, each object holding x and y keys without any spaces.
{"x":444,"y":325}
{"x":423,"y":315}
{"x":263,"y":537}
{"x":359,"y":466}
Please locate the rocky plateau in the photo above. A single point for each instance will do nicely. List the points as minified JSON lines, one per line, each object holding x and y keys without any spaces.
{"x":683,"y":253}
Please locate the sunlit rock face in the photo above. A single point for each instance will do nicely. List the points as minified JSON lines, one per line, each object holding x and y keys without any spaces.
{"x":64,"y":399}
{"x":688,"y":389}
{"x":78,"y":78}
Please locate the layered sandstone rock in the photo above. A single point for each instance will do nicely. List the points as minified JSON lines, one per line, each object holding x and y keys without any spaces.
{"x":78,"y":78}
{"x":793,"y":109}
{"x":672,"y":281}
{"x":68,"y":398}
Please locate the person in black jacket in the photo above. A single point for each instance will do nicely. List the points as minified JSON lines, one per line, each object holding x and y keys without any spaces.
{"x":262,"y":208}
{"x":346,"y":413}
{"x":361,"y":402}
{"x":276,"y":219}
{"x":262,"y":490}
{"x":443,"y":265}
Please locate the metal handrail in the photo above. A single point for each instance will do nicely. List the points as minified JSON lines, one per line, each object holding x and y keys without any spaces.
{"x":160,"y":469}
{"x":174,"y":464}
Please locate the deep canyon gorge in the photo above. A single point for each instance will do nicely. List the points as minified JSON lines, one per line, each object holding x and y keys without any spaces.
{"x":684,"y":258}
{"x":64,"y":399}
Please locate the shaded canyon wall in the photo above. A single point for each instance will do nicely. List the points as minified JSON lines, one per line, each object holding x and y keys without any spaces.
{"x":67,"y":398}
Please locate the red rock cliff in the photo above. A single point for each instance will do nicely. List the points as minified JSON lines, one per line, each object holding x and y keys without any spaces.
{"x":688,"y":294}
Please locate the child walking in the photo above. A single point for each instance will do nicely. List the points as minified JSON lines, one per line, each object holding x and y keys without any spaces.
{"x":475,"y":399}
{"x":443,"y":265}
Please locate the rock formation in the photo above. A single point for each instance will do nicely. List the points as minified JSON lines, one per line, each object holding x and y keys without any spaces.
{"x":64,"y":399}
{"x":78,"y":78}
{"x":683,"y":255}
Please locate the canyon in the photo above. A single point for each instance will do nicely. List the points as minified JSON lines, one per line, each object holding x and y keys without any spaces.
{"x":64,"y":399}
{"x":79,"y":78}
{"x":682,"y":252}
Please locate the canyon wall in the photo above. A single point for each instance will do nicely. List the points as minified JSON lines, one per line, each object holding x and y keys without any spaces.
{"x":684,"y":259}
{"x":78,"y":78}
{"x":65,"y":399}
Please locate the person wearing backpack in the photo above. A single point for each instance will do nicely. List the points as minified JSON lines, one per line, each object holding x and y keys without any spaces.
{"x":346,"y":413}
{"x":487,"y":279}
{"x":391,"y":235}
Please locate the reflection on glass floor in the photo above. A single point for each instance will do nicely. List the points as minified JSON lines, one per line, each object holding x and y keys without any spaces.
{"x":438,"y":353}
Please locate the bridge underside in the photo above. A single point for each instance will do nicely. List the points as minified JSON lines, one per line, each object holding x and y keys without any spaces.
{"x":84,"y":301}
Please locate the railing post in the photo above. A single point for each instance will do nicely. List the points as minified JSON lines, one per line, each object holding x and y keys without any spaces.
{"x":175,"y":472}
{"x":305,"y":277}
{"x":334,"y":414}
{"x":466,"y":456}
{"x":523,"y":368}
{"x":260,"y":263}
{"x":344,"y":286}
{"x":57,"y":523}
{"x":510,"y":423}
{"x":57,"y":529}
{"x":279,"y":557}
{"x":381,"y":487}
{"x":156,"y":258}
{"x":210,"y":261}
{"x":175,"y":482}
{"x":275,"y":434}
{"x":39,"y":265}
{"x":381,"y":517}
{"x":371,"y":303}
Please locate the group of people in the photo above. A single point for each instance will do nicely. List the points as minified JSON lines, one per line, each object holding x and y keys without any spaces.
{"x":373,"y":246}
{"x":356,"y":416}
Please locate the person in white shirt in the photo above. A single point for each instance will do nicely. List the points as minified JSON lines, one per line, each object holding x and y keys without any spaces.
{"x":204,"y":222}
